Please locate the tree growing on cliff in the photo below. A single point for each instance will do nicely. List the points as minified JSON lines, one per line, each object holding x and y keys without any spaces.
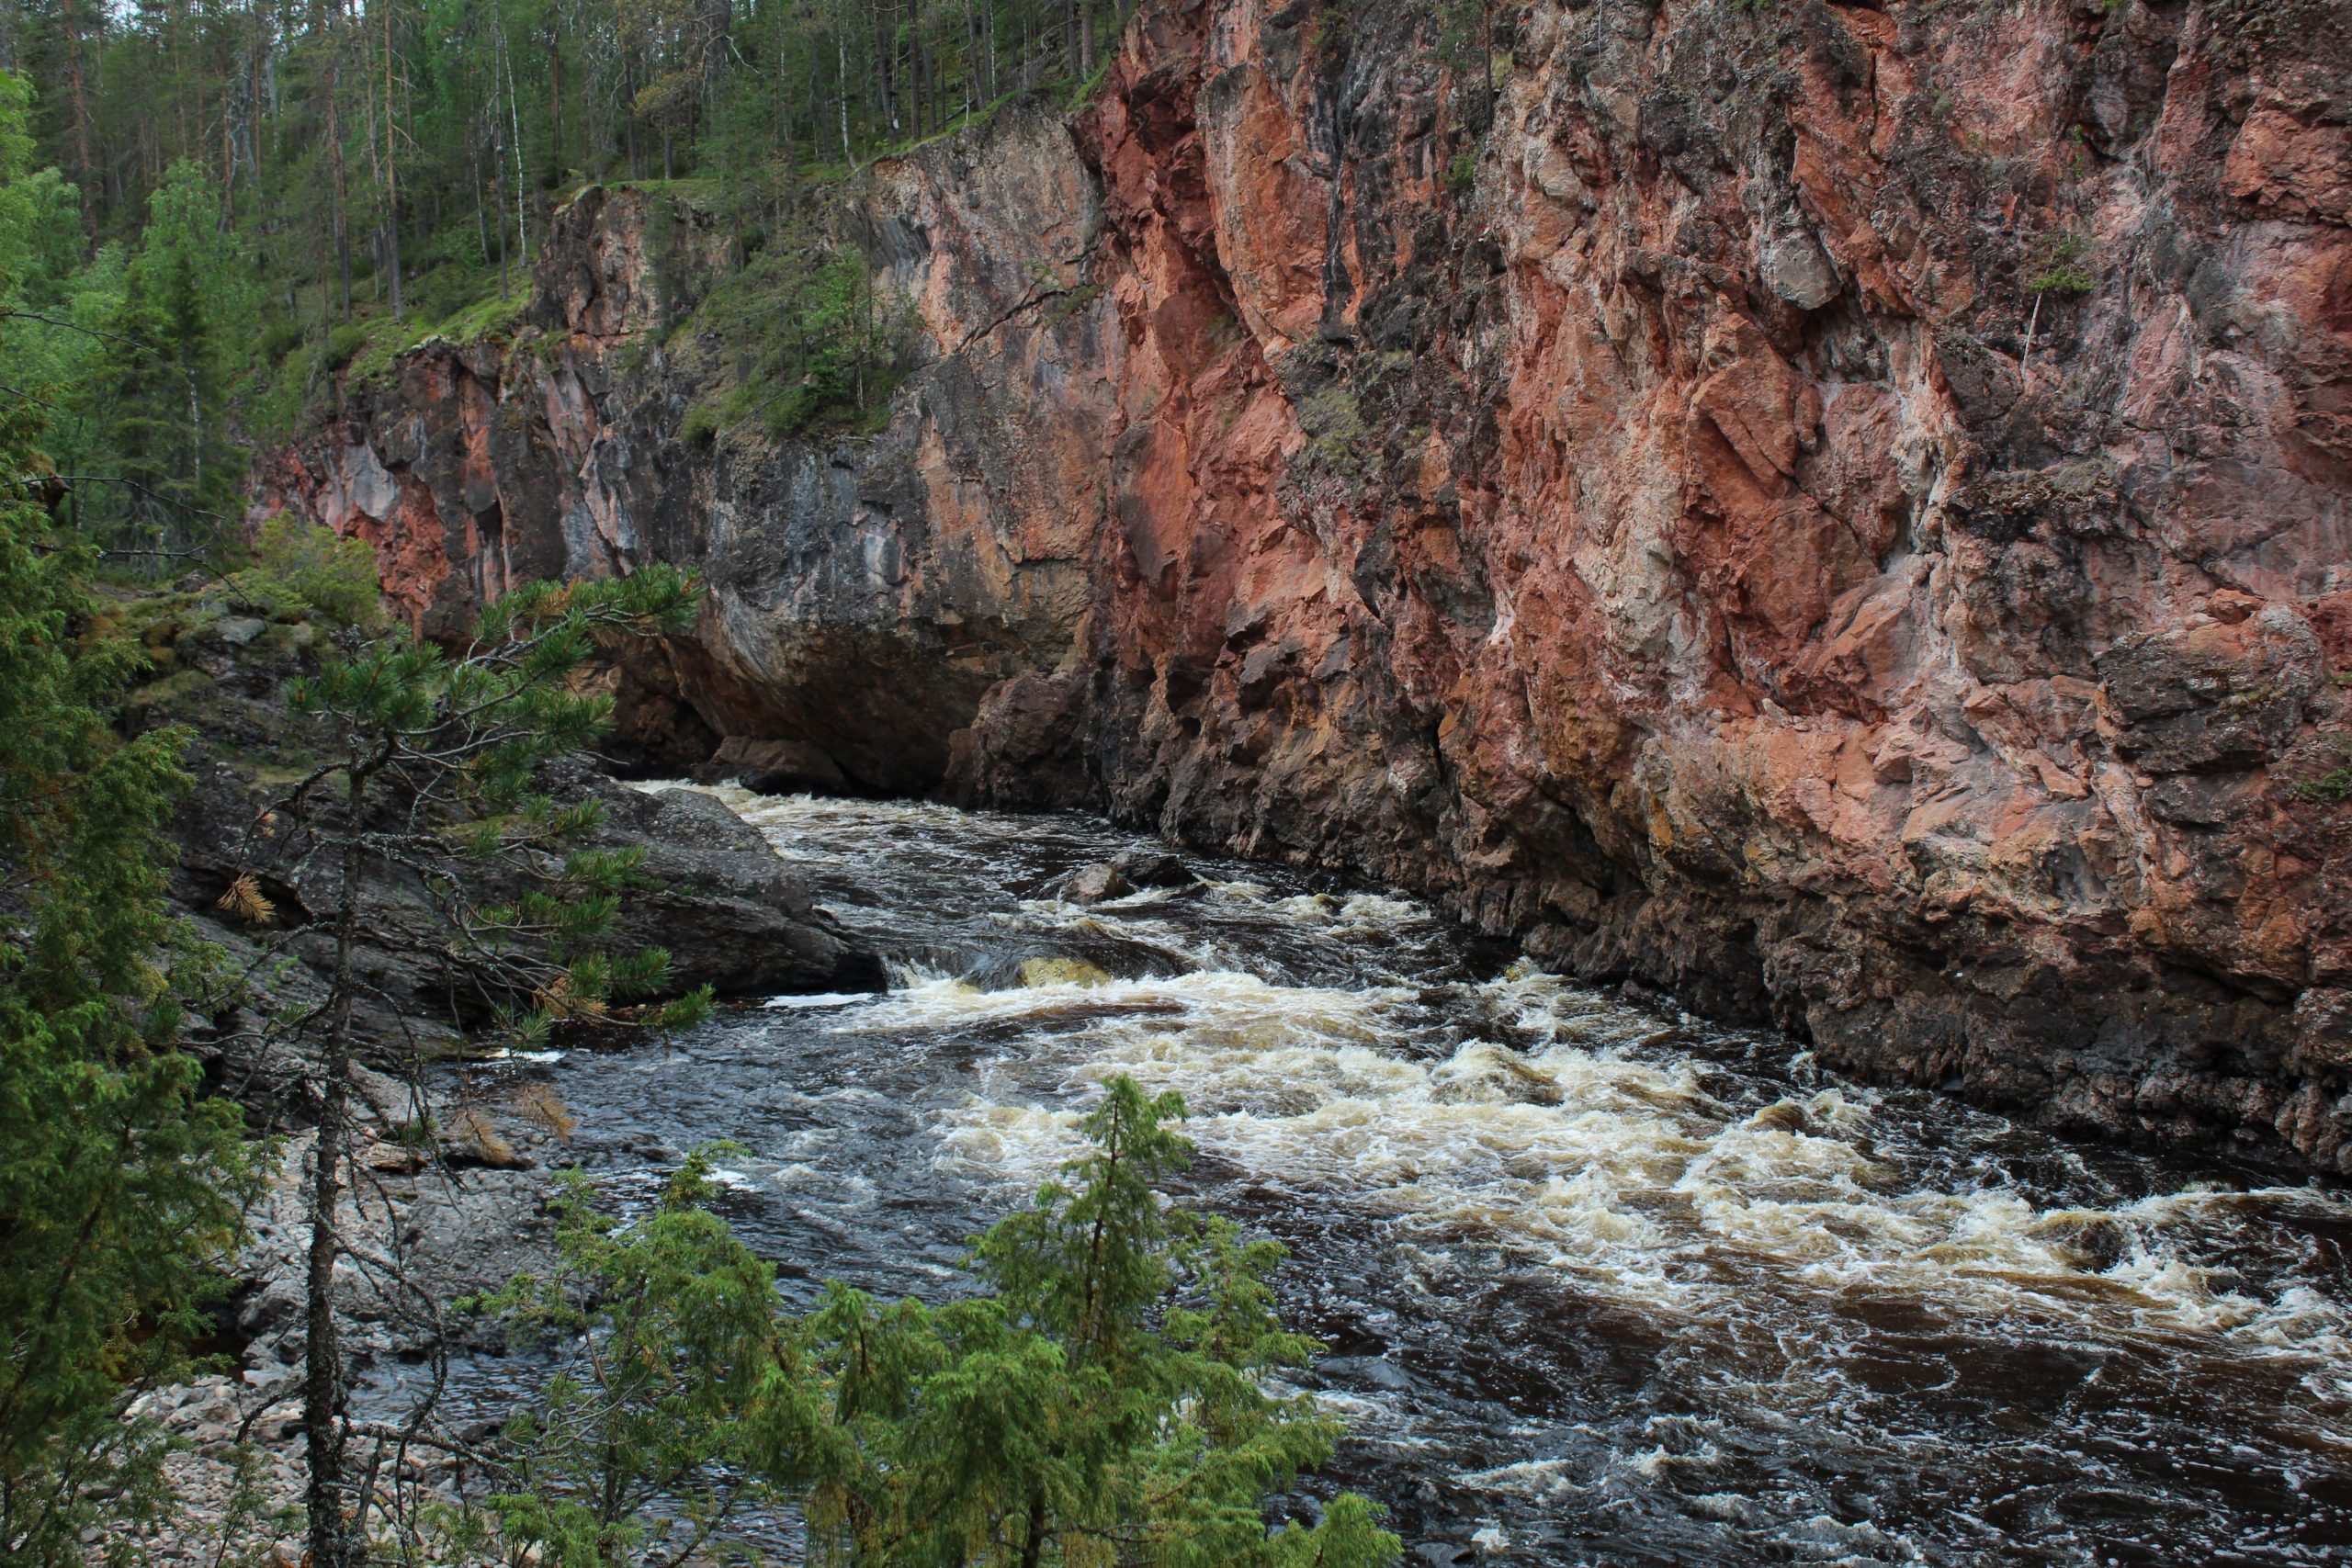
{"x":1103,"y":1403}
{"x":429,"y":781}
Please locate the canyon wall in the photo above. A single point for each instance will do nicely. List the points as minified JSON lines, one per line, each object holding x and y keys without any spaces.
{"x":1837,"y":513}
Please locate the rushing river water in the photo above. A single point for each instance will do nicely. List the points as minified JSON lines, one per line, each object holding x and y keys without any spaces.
{"x":1602,"y":1285}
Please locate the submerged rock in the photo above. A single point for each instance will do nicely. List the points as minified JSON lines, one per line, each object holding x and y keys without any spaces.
{"x":1062,"y":972}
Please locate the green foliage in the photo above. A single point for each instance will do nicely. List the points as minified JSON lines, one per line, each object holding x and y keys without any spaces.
{"x":679,"y":1323}
{"x":41,"y":242}
{"x":2063,"y":268}
{"x":347,"y":343}
{"x":430,"y":772}
{"x":1336,"y":434}
{"x":2334,"y":784}
{"x":1462,"y":171}
{"x":1103,"y":1403}
{"x":1071,"y":302}
{"x":53,"y":304}
{"x":184,"y":235}
{"x":120,"y":1188}
{"x":1327,"y":26}
{"x":182,"y":326}
{"x":814,"y":342}
{"x":702,"y":424}
{"x":302,"y":572}
{"x":470,"y":733}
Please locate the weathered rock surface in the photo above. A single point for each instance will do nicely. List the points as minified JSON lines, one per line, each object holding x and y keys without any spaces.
{"x":731,"y":915}
{"x":1095,"y":884}
{"x":773,"y":767}
{"x":1836,"y":510}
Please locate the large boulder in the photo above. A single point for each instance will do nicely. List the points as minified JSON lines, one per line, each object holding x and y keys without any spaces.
{"x":732,"y":915}
{"x":774,"y":767}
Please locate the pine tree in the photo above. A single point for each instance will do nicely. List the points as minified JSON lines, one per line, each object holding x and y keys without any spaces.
{"x":430,"y":774}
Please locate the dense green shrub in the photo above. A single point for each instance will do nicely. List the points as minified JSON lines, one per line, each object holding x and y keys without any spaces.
{"x":303,"y":570}
{"x":1105,"y":1402}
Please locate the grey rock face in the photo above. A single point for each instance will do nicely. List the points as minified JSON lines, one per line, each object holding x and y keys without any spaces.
{"x":1797,"y":271}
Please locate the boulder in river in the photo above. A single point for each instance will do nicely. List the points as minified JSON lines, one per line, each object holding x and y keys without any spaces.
{"x":1153,"y":868}
{"x":1095,"y":884}
{"x":1124,"y":874}
{"x":774,"y":767}
{"x":733,"y":915}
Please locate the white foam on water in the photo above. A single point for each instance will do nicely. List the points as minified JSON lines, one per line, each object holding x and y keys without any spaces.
{"x":1616,"y":1170}
{"x":816,"y":1001}
{"x":1535,"y":1478}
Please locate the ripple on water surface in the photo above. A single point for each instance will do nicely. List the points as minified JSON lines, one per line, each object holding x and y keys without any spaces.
{"x":1602,"y":1285}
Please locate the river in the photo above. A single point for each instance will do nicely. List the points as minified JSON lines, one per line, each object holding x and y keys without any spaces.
{"x":1602,"y":1284}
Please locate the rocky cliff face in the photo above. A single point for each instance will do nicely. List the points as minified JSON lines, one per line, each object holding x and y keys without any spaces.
{"x":1836,"y":512}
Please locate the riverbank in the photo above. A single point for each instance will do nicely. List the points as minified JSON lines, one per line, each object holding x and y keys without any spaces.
{"x":447,"y":1193}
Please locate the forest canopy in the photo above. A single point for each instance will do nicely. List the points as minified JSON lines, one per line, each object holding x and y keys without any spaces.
{"x":211,"y":212}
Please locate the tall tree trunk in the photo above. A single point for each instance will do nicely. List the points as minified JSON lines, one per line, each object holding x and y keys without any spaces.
{"x":916,"y":84}
{"x":391,"y":169}
{"x":628,"y":124}
{"x":514,"y":125}
{"x":975,"y":85}
{"x":555,"y":98}
{"x":481,"y":223}
{"x":886,"y":102}
{"x":86,"y":161}
{"x":1033,"y":1546}
{"x":498,"y":157}
{"x":337,"y":1539}
{"x":841,"y":80}
{"x":335,"y":141}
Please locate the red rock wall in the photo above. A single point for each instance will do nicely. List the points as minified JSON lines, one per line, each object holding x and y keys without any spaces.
{"x":1652,"y":509}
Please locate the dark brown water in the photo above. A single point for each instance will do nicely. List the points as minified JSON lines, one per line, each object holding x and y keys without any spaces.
{"x":1602,"y":1285}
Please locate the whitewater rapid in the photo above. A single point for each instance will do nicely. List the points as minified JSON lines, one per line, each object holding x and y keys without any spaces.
{"x":1603,"y":1283}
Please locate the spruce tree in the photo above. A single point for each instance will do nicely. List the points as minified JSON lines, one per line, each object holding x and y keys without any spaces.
{"x":172,"y":472}
{"x":120,"y":1188}
{"x":1103,"y":1403}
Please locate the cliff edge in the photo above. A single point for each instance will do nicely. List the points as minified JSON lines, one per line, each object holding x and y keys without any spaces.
{"x":1834,"y":511}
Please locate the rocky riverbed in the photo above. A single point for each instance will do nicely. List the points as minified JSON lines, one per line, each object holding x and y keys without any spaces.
{"x":449,"y":1191}
{"x":1601,"y":1282}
